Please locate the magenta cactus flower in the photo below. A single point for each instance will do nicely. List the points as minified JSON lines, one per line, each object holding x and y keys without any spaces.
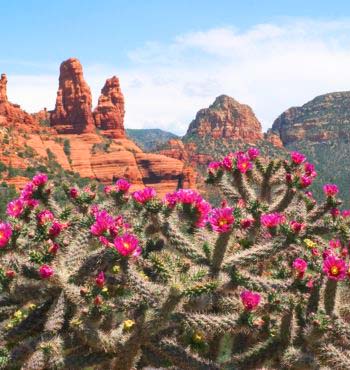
{"x":213,"y":167}
{"x":144,"y":195}
{"x":122,"y":185}
{"x":300,"y":265}
{"x":253,"y":153}
{"x":227,"y":162}
{"x":126,"y":244}
{"x":73,"y":193}
{"x":297,"y":158}
{"x":244,"y":164}
{"x":45,"y":271}
{"x":56,"y":228}
{"x":246,"y":223}
{"x":305,"y":181}
{"x":335,"y":243}
{"x":250,"y":300}
{"x":44,"y":217}
{"x":103,"y":221}
{"x":296,"y":226}
{"x":40,"y":179}
{"x":27,"y":191}
{"x":221,"y":219}
{"x":100,"y":279}
{"x":272,"y":220}
{"x":334,"y":267}
{"x":5,"y":233}
{"x":330,"y":190}
{"x":15,"y":208}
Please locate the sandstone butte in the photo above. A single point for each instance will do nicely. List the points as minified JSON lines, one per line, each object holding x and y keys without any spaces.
{"x":324,"y":118}
{"x":226,"y":119}
{"x":98,"y":147}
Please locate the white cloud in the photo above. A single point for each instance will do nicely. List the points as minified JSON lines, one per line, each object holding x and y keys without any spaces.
{"x":269,"y":66}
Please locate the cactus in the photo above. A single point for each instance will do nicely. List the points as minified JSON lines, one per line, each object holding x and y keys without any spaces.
{"x":121,"y":280}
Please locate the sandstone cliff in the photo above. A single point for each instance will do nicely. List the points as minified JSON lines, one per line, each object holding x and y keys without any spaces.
{"x":324,"y":118}
{"x":109,"y":113}
{"x":72,"y":113}
{"x":226,"y":118}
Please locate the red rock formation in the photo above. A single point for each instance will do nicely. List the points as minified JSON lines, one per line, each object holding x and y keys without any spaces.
{"x":72,"y":112}
{"x":109,"y":113}
{"x":273,"y":138}
{"x":12,"y":114}
{"x":226,"y":118}
{"x":175,"y":148}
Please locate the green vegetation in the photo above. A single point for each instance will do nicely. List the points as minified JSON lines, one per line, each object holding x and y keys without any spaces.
{"x":149,"y":139}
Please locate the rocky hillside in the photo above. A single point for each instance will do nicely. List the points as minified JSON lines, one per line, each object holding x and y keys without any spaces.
{"x":321,"y":130}
{"x":150,"y":139}
{"x":89,"y":142}
{"x":226,"y":125}
{"x":227,"y":119}
{"x":327,"y":117}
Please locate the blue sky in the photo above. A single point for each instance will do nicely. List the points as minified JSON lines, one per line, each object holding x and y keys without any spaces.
{"x":174,"y":57}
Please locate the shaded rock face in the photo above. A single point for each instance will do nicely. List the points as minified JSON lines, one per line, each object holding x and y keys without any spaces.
{"x":72,"y":113}
{"x":226,"y":118}
{"x":322,"y":119}
{"x":12,"y":114}
{"x":109,"y":113}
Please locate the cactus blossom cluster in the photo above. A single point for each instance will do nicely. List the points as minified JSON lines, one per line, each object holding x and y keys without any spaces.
{"x":123,"y":280}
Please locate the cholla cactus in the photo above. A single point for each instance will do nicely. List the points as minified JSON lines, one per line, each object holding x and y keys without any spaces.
{"x":126,"y":281}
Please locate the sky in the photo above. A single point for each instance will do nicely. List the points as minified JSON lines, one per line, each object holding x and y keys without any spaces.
{"x":174,"y":57}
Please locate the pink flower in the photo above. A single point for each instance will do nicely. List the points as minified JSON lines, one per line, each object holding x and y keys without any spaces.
{"x":122,"y":185}
{"x":305,"y":181}
{"x":73,"y":193}
{"x":346,"y":213}
{"x":310,"y":284}
{"x":53,"y":248}
{"x":330,"y":190}
{"x":272,"y":220}
{"x":250,"y":299}
{"x":44,"y":217}
{"x":300,"y":265}
{"x":104,"y":241}
{"x":126,"y":244}
{"x":213,"y":167}
{"x":288,"y":177}
{"x":310,"y":170}
{"x":40,"y":179}
{"x":45,"y":271}
{"x":170,"y":199}
{"x":297,"y":157}
{"x":227,"y":162}
{"x":335,"y":212}
{"x":221,"y":219}
{"x":247,"y":222}
{"x":243,"y":164}
{"x":188,"y":196}
{"x":56,"y":228}
{"x":5,"y":234}
{"x":103,"y":221}
{"x":335,"y":243}
{"x":253,"y":153}
{"x":144,"y":195}
{"x":296,"y":226}
{"x":27,"y":191}
{"x":100,"y":279}
{"x":15,"y":207}
{"x":334,"y":268}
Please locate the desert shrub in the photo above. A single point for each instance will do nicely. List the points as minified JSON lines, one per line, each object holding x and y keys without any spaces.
{"x":126,"y":281}
{"x":66,"y":147}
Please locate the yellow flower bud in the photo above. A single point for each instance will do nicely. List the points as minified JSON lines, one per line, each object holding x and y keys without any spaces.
{"x":128,"y":324}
